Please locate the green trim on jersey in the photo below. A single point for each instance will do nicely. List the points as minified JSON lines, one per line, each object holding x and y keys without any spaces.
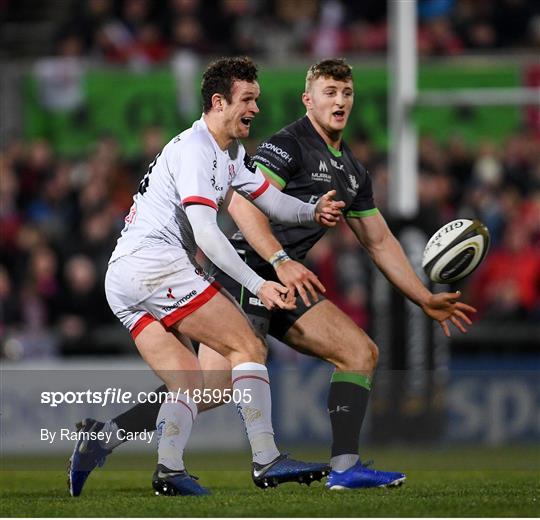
{"x":334,"y":152}
{"x":361,"y":214}
{"x":352,"y":377}
{"x":271,"y":174}
{"x":242,"y":296}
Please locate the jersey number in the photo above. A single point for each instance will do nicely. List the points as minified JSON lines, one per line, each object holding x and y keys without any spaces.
{"x":143,"y":186}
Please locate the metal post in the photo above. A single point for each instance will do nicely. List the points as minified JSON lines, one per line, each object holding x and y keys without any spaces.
{"x":403,"y":197}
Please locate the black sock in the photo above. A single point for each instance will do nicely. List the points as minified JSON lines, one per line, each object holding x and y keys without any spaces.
{"x":347,"y":403}
{"x":141,"y":417}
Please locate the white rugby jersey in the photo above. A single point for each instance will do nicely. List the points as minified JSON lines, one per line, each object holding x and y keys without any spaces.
{"x":191,"y":169}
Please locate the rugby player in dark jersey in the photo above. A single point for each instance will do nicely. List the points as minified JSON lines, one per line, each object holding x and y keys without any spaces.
{"x":305,"y":160}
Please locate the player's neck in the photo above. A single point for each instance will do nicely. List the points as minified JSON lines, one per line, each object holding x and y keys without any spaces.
{"x":331,"y":138}
{"x":222,"y":139}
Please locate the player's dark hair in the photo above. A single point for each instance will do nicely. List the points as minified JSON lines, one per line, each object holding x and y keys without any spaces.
{"x":335,"y":68}
{"x":220,"y":75}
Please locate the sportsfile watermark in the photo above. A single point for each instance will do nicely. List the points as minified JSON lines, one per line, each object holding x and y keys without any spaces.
{"x":119,"y":434}
{"x":119,"y":396}
{"x":42,"y":412}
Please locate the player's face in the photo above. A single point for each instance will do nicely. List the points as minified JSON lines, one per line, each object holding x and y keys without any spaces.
{"x":329,"y":103}
{"x":238,"y":114}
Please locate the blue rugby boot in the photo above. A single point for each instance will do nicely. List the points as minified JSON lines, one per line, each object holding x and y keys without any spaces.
{"x":86,"y":456}
{"x":168,"y":482}
{"x":361,"y":476}
{"x":282,"y":469}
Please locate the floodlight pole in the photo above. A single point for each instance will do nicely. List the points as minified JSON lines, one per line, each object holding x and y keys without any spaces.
{"x":403,"y":174}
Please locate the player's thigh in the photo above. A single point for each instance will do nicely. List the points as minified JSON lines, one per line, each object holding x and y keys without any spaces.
{"x":257,"y":314}
{"x":328,"y":333}
{"x":173,"y":361}
{"x":220,"y":325}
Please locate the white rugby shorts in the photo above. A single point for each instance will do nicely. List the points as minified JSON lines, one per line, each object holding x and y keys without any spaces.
{"x":156,"y":283}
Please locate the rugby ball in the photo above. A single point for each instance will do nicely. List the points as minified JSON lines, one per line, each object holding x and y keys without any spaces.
{"x":455,"y":250}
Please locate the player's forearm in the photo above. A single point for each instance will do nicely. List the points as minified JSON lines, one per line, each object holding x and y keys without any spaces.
{"x":255,"y":227}
{"x":219,"y":250}
{"x":390,"y":258}
{"x":283,"y":208}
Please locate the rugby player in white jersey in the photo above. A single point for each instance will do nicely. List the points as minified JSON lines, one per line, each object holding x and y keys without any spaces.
{"x":159,"y":292}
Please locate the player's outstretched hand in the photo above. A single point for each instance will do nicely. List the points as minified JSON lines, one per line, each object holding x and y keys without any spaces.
{"x":444,"y":307}
{"x":273,"y":295}
{"x":297,"y":277}
{"x":328,"y":210}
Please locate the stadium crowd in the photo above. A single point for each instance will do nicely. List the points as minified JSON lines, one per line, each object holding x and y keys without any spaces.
{"x":60,"y":219}
{"x":142,"y":33}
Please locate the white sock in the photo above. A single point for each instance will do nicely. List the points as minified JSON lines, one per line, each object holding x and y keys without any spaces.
{"x":111,"y":441}
{"x":342,"y":463}
{"x":174,"y":423}
{"x":251,"y":379}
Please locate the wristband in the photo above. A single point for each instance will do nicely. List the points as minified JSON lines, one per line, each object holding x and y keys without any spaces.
{"x":278,"y":258}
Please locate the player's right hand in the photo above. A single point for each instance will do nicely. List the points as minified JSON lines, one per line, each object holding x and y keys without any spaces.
{"x":297,"y":277}
{"x":444,"y":307}
{"x":274,"y":296}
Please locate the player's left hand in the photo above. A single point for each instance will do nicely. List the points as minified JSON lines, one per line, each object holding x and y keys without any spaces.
{"x":328,"y":210}
{"x":444,"y":307}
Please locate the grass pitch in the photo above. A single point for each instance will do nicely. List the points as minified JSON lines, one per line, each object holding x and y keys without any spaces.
{"x":464,"y":482}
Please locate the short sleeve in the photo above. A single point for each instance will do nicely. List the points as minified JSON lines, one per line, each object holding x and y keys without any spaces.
{"x":194,"y":175}
{"x":278,"y":157}
{"x":363,"y":204}
{"x":249,"y":181}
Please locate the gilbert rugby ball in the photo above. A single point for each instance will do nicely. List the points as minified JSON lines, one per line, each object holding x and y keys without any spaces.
{"x":455,"y":250}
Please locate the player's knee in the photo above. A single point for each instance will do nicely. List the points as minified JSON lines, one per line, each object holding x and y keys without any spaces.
{"x":358,"y":357}
{"x":248,"y":349}
{"x":368,"y":355}
{"x":257,"y":350}
{"x":373,"y":352}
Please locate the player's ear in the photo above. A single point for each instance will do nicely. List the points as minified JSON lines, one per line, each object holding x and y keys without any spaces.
{"x":217,"y":102}
{"x":306,"y":99}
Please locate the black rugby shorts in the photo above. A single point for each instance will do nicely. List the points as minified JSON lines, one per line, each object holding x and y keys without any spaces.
{"x":276,"y":322}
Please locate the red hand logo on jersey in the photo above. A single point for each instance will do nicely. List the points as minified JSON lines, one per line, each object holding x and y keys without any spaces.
{"x":170,"y":294}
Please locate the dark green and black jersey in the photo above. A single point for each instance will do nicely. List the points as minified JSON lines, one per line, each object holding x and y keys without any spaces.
{"x":306,"y":167}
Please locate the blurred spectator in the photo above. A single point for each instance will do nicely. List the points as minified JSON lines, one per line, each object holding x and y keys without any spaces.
{"x":59,"y":78}
{"x":235,"y":29}
{"x":152,"y":141}
{"x":82,"y":307}
{"x":88,"y":16}
{"x":366,"y":26}
{"x":487,"y":168}
{"x":98,"y":238}
{"x":329,"y":38}
{"x":436,"y":37}
{"x":460,"y":166}
{"x":290,"y":28}
{"x":55,"y":210}
{"x":134,"y":37}
{"x":507,"y":286}
{"x":518,"y":156}
{"x":10,"y":217}
{"x":33,"y":170}
{"x":511,"y":20}
{"x":10,"y":311}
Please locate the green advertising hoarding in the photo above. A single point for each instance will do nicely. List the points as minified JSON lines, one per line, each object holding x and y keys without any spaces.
{"x":123,"y":103}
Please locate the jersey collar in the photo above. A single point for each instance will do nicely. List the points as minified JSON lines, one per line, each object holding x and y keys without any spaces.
{"x":310,"y":128}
